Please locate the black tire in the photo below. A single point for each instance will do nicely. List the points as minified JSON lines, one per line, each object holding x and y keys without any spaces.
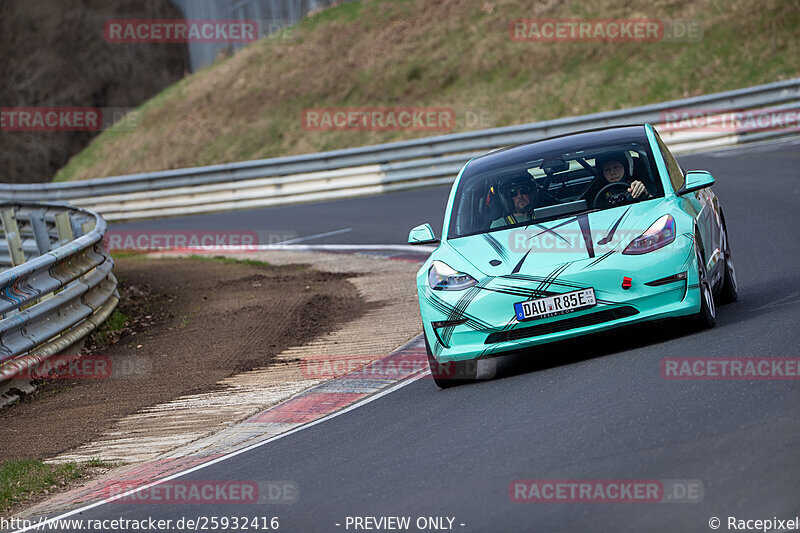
{"x":452,"y":373}
{"x":707,"y":316}
{"x":729,"y":292}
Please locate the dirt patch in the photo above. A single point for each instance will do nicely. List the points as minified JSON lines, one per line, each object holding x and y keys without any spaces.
{"x":192,"y":324}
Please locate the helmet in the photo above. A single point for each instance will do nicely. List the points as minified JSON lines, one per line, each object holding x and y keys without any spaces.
{"x":619,"y":157}
{"x":510,"y":187}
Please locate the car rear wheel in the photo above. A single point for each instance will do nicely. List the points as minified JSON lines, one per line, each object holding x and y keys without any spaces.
{"x":707,"y":316}
{"x":729,"y":292}
{"x":452,"y":373}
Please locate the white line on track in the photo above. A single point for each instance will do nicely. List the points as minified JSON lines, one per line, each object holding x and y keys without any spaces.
{"x":309,"y":248}
{"x":317,"y":236}
{"x":402,"y":383}
{"x":343,"y":247}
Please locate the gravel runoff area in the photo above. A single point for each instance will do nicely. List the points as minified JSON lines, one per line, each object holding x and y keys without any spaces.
{"x":209,"y":344}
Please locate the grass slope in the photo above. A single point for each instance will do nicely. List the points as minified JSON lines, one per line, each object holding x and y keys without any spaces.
{"x":445,"y":53}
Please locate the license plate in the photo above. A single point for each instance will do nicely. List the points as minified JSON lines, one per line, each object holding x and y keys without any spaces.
{"x":560,"y":304}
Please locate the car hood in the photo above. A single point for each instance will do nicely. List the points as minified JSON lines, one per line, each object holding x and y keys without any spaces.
{"x":585,"y":237}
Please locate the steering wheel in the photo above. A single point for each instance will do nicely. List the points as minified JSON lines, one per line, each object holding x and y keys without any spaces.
{"x":620,"y":196}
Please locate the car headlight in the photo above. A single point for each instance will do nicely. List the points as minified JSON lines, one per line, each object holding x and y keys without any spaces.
{"x":443,"y":278}
{"x":660,"y":234}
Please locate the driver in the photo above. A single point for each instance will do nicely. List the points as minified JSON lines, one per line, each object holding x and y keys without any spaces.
{"x":519,"y":196}
{"x":613,"y":168}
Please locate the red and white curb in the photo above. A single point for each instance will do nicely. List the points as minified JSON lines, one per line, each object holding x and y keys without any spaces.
{"x":307,"y":409}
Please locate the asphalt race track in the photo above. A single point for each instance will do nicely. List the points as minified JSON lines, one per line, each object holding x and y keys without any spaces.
{"x":383,"y":219}
{"x":596,"y":408}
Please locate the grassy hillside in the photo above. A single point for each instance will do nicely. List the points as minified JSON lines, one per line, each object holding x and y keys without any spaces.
{"x":446,"y":53}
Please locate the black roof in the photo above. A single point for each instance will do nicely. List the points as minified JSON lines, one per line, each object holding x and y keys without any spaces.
{"x":569,"y":142}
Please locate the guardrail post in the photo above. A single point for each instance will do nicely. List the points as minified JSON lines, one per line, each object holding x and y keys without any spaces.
{"x":87,"y":226}
{"x":64,"y":228}
{"x":12,"y":237}
{"x":42,"y":237}
{"x":77,"y":230}
{"x":40,"y":231}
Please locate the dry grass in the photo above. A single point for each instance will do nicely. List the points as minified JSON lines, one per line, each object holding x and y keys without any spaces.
{"x":446,"y":53}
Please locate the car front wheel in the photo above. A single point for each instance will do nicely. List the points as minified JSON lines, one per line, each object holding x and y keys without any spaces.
{"x":707,"y":316}
{"x":729,"y":292}
{"x":451,"y":373}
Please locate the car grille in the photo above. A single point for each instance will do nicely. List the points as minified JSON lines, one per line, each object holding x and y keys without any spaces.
{"x":561,"y":325}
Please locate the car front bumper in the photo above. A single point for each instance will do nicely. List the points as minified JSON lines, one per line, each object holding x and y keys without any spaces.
{"x":480,"y":321}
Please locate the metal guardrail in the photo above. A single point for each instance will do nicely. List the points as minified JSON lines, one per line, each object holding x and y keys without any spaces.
{"x":385,"y":167}
{"x":54,"y":300}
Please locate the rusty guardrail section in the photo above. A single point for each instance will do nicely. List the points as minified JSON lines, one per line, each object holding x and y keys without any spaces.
{"x":56,"y":298}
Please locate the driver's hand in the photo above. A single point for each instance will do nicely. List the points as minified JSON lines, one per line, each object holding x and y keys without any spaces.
{"x":637,"y":189}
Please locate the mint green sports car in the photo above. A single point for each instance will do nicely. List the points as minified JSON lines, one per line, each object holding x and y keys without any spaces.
{"x":567,"y":236}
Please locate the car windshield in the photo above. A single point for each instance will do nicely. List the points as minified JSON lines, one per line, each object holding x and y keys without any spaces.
{"x":546,"y":186}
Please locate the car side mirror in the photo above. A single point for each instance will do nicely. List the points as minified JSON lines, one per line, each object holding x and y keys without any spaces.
{"x":696,"y":180}
{"x":422,"y":234}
